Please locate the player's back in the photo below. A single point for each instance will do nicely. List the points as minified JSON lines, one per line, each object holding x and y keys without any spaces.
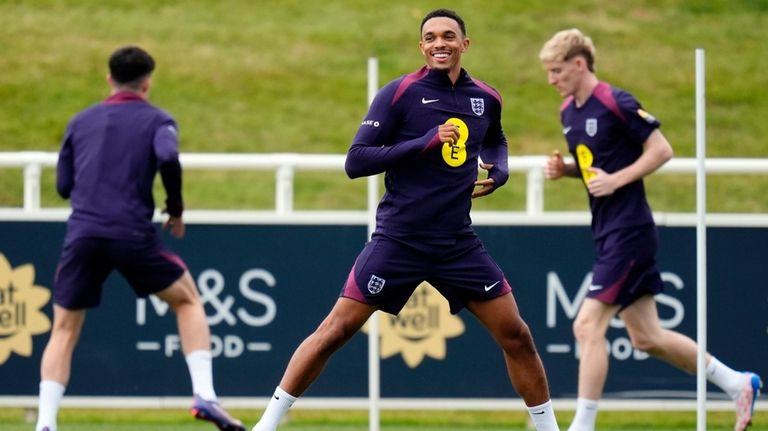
{"x":113,"y":165}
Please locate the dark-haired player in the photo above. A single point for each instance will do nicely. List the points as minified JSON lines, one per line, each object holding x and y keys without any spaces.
{"x":109,"y":157}
{"x":426,"y":131}
{"x":615,"y":144}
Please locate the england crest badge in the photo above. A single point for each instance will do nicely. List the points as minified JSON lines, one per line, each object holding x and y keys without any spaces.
{"x":375,"y":284}
{"x":591,"y":126}
{"x":478,"y":105}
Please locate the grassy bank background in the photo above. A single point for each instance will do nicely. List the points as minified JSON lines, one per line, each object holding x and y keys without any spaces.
{"x":290,"y":76}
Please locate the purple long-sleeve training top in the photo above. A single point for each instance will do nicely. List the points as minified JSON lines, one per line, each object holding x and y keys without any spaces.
{"x":109,"y":157}
{"x":429,"y":184}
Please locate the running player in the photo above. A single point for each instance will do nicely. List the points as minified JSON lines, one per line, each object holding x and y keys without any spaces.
{"x":426,"y":131}
{"x":615,"y":144}
{"x":108,"y":160}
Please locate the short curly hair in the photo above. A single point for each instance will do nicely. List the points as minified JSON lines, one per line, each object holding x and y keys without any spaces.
{"x":567,"y":44}
{"x":447,"y":13}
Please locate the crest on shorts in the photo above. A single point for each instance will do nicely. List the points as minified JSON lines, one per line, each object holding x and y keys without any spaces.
{"x":478,"y":105}
{"x":375,"y":284}
{"x":591,"y":126}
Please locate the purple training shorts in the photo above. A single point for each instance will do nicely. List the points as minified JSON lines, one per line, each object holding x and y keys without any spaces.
{"x":625,"y":268}
{"x":85,"y":263}
{"x":389,"y":269}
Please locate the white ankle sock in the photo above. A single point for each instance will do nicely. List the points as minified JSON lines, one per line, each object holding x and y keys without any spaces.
{"x":725,"y":378}
{"x":543,"y":417}
{"x":586,"y":413}
{"x":278,"y":405}
{"x":200,"y":364}
{"x":51,"y":394}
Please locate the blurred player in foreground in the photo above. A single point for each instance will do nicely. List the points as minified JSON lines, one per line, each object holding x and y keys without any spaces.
{"x":108,"y":160}
{"x":426,"y":130}
{"x":615,"y":144}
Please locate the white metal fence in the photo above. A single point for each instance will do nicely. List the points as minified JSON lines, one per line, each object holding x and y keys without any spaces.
{"x":285,"y":165}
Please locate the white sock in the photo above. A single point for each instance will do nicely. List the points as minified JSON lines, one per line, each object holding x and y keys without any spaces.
{"x":543,"y":417}
{"x":200,"y":364}
{"x":48,"y":408}
{"x":586,"y":413}
{"x":725,"y":378}
{"x":278,"y":405}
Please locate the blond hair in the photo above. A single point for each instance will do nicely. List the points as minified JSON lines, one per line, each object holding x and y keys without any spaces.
{"x":567,"y":44}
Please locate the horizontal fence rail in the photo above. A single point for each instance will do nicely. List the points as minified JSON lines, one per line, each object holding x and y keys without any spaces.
{"x":285,"y":165}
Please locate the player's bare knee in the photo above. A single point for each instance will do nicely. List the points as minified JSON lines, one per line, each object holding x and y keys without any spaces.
{"x":66,"y":331}
{"x":645,"y":343}
{"x":518,"y":339}
{"x":332,"y":334}
{"x":181,"y":293}
{"x":63,"y":325}
{"x":582,"y":329}
{"x":68,"y":323}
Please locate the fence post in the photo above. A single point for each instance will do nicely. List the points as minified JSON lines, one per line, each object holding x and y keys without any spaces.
{"x":284,"y":189}
{"x":32,"y":174}
{"x":534,"y":198}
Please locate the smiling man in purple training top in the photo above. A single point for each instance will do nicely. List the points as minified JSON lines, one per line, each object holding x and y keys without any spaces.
{"x":426,"y":131}
{"x":109,"y":157}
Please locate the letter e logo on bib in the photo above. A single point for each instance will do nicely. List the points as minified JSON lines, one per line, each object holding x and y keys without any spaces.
{"x":455,"y":154}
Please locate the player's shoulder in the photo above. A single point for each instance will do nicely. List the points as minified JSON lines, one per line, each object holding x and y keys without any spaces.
{"x":567,"y":104}
{"x":158,"y":114}
{"x":486,"y":88}
{"x":163,"y":114}
{"x":86,"y":113}
{"x":398,"y":87}
{"x":605,"y":91}
{"x":615,"y":99}
{"x":629,"y":107}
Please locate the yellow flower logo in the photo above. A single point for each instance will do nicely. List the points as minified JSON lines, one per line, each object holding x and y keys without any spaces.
{"x":20,"y":304}
{"x":420,"y":329}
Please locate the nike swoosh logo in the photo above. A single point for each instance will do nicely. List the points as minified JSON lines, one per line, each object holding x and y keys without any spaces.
{"x":593,"y":288}
{"x":276,"y":397}
{"x":425,"y":101}
{"x":538,"y":413}
{"x":487,"y":288}
{"x":566,"y":130}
